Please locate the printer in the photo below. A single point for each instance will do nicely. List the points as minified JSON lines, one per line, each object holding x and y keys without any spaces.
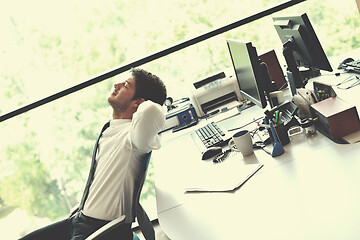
{"x":213,"y":92}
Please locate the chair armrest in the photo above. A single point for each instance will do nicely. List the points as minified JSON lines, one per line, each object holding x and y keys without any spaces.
{"x":106,"y":228}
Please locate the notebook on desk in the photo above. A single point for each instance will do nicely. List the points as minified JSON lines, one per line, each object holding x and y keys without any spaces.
{"x":225,"y":177}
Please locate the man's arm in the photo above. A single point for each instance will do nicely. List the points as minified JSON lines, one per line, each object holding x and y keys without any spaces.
{"x":147,"y":121}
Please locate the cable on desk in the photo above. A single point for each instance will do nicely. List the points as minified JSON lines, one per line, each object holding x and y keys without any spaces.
{"x":260,"y":144}
{"x":257,"y":145}
{"x":348,"y":79}
{"x":221,"y":156}
{"x":254,"y":120}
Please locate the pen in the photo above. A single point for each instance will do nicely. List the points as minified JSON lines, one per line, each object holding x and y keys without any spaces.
{"x":279,"y":120}
{"x":316,"y":95}
{"x":276,"y":118}
{"x":313,"y":96}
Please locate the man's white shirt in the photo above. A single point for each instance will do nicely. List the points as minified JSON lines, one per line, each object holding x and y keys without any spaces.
{"x":120,"y":151}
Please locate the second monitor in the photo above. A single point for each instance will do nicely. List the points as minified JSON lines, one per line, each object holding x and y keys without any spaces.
{"x":301,"y":49}
{"x":251,"y":73}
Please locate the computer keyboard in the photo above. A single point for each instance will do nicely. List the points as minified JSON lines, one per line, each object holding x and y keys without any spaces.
{"x":351,"y":66}
{"x":213,"y":135}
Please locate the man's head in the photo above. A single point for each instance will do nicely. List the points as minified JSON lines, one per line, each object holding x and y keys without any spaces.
{"x":148,"y":86}
{"x":129,"y":94}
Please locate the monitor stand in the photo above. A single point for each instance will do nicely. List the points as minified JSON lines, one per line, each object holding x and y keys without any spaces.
{"x":269,"y":86}
{"x":297,"y":78}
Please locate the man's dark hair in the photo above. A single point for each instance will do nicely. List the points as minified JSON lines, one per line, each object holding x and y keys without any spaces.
{"x":148,"y":86}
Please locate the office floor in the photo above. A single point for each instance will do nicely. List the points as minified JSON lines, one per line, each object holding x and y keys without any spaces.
{"x":159,"y":234}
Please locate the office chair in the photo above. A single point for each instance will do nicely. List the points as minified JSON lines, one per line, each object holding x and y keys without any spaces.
{"x":138,"y":211}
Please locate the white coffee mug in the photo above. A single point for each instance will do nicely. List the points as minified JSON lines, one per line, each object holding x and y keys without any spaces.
{"x":243,"y":143}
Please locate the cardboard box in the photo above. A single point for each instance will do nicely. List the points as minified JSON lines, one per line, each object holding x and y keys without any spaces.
{"x":336,"y":117}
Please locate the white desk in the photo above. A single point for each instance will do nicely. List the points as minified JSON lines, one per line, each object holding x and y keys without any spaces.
{"x":312,"y":191}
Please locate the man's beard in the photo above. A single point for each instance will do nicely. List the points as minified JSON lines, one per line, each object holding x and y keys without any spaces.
{"x":119,"y":107}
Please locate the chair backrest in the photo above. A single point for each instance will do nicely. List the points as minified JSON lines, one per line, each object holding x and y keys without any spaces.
{"x":138,"y":211}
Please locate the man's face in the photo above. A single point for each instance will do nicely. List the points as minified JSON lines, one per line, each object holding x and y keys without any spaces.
{"x":122,"y":96}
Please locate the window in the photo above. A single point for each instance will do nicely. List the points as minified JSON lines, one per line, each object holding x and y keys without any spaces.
{"x":45,"y":153}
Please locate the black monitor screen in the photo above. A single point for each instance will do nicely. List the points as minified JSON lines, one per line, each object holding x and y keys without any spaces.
{"x":247,"y":69}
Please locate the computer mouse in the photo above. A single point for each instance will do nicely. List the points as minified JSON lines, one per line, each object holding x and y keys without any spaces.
{"x":211,"y":152}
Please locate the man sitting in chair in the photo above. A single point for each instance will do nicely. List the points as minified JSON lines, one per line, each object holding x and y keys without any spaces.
{"x":133,"y":132}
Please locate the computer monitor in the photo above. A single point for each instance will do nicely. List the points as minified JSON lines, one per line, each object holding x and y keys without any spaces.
{"x":302,"y":50}
{"x":252,"y":76}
